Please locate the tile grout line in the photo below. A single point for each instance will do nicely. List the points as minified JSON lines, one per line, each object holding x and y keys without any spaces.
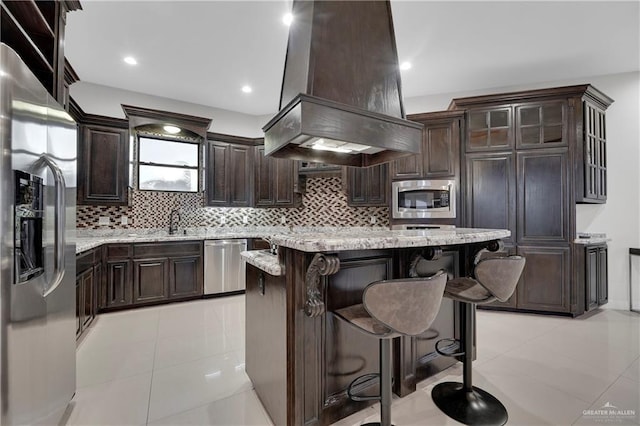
{"x":153,"y":365}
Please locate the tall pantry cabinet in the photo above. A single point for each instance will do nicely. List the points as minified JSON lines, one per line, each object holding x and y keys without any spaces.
{"x":528,"y":158}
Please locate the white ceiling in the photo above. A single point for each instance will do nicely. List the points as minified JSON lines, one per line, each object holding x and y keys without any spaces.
{"x":203,"y":52}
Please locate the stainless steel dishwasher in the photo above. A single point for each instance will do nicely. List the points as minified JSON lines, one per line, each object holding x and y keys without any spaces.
{"x":224,"y":269}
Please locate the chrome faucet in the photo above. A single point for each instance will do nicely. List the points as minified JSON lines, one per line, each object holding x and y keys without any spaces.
{"x":173,"y":228}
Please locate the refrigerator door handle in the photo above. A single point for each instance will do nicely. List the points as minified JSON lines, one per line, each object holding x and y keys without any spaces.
{"x":59,"y":218}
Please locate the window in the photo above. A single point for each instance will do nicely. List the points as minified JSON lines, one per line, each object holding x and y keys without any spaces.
{"x":167,"y":165}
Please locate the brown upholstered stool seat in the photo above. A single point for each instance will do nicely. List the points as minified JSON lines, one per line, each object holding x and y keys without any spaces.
{"x":389,"y":309}
{"x":494,"y":278}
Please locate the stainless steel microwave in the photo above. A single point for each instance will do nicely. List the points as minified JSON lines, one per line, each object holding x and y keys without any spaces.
{"x":417,"y":199}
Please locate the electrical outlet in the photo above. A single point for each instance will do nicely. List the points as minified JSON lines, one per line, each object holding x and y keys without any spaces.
{"x":104,"y":220}
{"x":283,"y":220}
{"x":223,"y":220}
{"x":373,"y":220}
{"x":245,"y":219}
{"x":124,"y":220}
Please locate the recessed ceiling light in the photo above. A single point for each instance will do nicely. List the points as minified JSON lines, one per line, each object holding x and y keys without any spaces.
{"x":131,"y":60}
{"x":287,"y":19}
{"x":247,"y":89}
{"x":405,"y":66}
{"x":171,"y":129}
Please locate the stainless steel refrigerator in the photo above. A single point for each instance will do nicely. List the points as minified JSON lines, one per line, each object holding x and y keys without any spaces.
{"x":37,"y":249}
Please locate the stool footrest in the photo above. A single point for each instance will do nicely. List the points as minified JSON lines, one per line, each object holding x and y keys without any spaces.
{"x":358,"y":383}
{"x":448,"y":350}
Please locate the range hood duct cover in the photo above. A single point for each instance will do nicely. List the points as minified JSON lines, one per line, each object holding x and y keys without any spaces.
{"x":341,"y":88}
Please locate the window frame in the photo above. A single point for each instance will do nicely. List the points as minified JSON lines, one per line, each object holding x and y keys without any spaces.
{"x":198,"y":168}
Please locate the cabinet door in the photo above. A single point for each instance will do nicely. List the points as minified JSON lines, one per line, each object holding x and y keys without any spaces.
{"x":264,"y":193}
{"x":88,"y":286}
{"x":545,"y":281}
{"x":185,"y":276}
{"x":441,"y":149}
{"x":217,"y":174}
{"x":595,"y":154}
{"x":541,"y":125}
{"x":409,"y":167}
{"x":543,"y":196}
{"x":603,"y":280}
{"x":283,"y":182}
{"x":229,"y":174}
{"x":79,"y":304}
{"x":491,"y":192}
{"x":241,"y":171}
{"x":591,"y":275}
{"x":118,"y":283}
{"x":150,"y":280}
{"x":275,"y":180}
{"x":103,"y":166}
{"x":367,"y":186}
{"x":489,"y":129}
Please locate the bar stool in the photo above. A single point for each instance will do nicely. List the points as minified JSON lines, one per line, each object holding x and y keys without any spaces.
{"x":391,"y":308}
{"x":494,"y":278}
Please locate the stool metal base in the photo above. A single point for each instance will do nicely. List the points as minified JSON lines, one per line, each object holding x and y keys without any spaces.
{"x":471,"y":408}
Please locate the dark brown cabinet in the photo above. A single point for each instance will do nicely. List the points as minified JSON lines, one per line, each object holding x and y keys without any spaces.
{"x":491,"y":192}
{"x":543,"y":197}
{"x":229,"y":174}
{"x":592,"y":264}
{"x":88,"y":277}
{"x":185,"y":276}
{"x":594,"y":164}
{"x":367,"y":186}
{"x":541,"y":125}
{"x":147,"y":273}
{"x":276,"y":181}
{"x":150,"y":280}
{"x":545,"y":282}
{"x":103,"y":172}
{"x":35,"y":30}
{"x":489,"y":129}
{"x":118,"y":289}
{"x":529,"y":157}
{"x":440,"y":156}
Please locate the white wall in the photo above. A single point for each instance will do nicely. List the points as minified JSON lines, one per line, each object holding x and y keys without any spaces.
{"x":104,"y":100}
{"x":619,"y":218}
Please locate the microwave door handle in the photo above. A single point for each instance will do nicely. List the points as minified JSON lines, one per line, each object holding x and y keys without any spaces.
{"x":59,"y":219}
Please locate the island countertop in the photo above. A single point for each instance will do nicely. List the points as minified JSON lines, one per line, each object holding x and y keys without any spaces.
{"x":383,"y":239}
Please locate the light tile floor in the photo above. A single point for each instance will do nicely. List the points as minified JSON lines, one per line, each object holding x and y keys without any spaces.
{"x":183,"y":364}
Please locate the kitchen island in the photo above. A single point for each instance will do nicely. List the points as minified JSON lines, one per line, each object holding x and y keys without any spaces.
{"x":299,"y":357}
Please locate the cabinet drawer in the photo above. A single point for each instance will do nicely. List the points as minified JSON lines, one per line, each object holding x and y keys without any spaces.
{"x":85,"y":261}
{"x":164,"y":249}
{"x":118,"y":251}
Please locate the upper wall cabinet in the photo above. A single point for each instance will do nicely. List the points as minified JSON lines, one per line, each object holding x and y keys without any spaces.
{"x":367,"y":186}
{"x":440,"y":156}
{"x":35,"y":30}
{"x":276,"y":181}
{"x":571,"y":116}
{"x":103,"y":174}
{"x":541,"y":125}
{"x":489,"y":129}
{"x":229,"y":174}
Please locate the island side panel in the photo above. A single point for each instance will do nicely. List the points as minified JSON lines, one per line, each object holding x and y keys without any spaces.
{"x":266,"y":340}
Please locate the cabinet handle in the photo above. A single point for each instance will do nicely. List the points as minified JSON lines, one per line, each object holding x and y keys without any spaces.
{"x":261,"y":284}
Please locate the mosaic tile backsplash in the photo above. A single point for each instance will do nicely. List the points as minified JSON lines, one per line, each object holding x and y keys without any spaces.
{"x":323,"y":204}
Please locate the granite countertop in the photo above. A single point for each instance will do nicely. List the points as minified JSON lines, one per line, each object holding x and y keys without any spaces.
{"x":358,"y":239}
{"x":591,"y":238}
{"x":88,"y":239}
{"x":303,"y":238}
{"x":264,"y":260}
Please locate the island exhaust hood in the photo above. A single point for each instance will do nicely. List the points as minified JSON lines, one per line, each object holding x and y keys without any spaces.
{"x":341,"y":101}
